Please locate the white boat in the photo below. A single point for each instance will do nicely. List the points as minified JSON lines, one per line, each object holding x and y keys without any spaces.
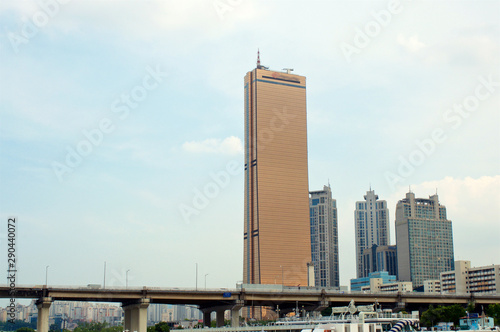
{"x":367,"y":320}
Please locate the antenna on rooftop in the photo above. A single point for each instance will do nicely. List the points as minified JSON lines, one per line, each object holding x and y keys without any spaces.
{"x":258,"y":58}
{"x":288,"y":70}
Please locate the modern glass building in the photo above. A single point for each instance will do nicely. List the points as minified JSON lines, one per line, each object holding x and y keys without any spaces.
{"x":371,"y":219}
{"x":324,"y":237}
{"x":277,"y":246}
{"x":384,"y":276}
{"x":380,"y":258}
{"x":424,"y":239}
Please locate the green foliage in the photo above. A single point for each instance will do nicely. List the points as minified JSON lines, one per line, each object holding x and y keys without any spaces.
{"x":471,"y":307}
{"x":90,"y":327}
{"x":451,"y":313}
{"x":326,"y":312}
{"x":25,"y":329}
{"x":493,"y":310}
{"x":159,"y":327}
{"x":431,"y":316}
{"x":113,"y":329}
{"x":14,"y":326}
{"x":97,"y":327}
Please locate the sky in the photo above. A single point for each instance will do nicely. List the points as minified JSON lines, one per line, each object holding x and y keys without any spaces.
{"x":121,"y":127}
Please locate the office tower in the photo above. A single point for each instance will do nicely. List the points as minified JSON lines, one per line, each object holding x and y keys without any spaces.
{"x":380,"y":258}
{"x":372,"y":227}
{"x":277,"y":245}
{"x":424,"y":239}
{"x":324,"y":237}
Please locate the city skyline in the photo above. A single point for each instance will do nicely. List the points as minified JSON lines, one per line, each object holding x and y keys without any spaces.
{"x":122,"y":135}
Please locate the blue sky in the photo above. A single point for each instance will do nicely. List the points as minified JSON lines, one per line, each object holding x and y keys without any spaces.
{"x":399,"y":94}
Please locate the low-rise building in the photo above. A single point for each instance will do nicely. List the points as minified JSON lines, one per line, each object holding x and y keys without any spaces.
{"x":394,"y":287}
{"x":432,"y":286}
{"x":465,"y":279}
{"x":384,"y":276}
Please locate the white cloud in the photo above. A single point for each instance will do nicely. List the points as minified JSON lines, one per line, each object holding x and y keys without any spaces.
{"x":412,"y":44}
{"x":230,"y":145}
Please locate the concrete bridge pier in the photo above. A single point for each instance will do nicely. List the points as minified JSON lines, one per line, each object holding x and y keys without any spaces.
{"x":207,"y":321}
{"x":43,"y":305}
{"x":219,"y":317}
{"x":235,"y":313}
{"x":135,"y":316}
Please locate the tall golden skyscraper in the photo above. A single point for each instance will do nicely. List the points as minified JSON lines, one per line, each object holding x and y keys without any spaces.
{"x":277,"y":244}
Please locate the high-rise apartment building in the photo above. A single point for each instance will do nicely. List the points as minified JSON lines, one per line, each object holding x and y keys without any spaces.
{"x":424,"y":239}
{"x":324,"y":237}
{"x":276,"y":229}
{"x":372,"y":227}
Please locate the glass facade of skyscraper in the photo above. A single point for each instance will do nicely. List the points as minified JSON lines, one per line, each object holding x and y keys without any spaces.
{"x":277,"y":245}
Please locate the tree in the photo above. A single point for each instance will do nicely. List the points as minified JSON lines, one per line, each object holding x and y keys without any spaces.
{"x":431,"y":316}
{"x":159,"y":327}
{"x":25,"y":329}
{"x":471,"y":307}
{"x":112,"y":329}
{"x":90,"y":327}
{"x":327,"y":312}
{"x":15,"y":325}
{"x":453,"y":313}
{"x":493,"y":310}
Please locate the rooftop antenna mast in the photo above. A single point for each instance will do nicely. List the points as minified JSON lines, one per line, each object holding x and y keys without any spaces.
{"x":258,"y":58}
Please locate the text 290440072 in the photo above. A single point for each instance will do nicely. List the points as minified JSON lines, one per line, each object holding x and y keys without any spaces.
{"x":11,"y":263}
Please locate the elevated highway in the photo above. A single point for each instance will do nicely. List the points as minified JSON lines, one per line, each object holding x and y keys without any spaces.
{"x":136,"y":300}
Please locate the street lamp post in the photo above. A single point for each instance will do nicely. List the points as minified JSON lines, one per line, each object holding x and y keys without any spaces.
{"x":46,"y":274}
{"x":104,"y":284}
{"x":196,"y":276}
{"x":126,"y":279}
{"x":206,"y":281}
